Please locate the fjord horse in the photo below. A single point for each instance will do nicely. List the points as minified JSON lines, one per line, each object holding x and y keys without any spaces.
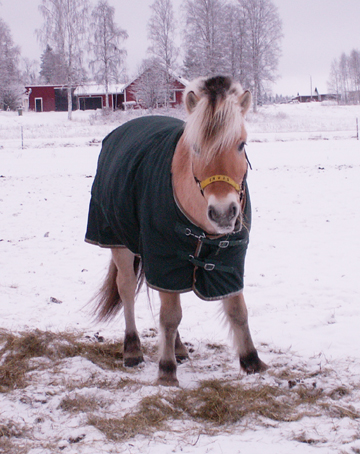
{"x":189,"y":233}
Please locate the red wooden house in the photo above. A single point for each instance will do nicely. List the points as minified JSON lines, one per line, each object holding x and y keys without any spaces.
{"x":177,"y":87}
{"x":47,"y":98}
{"x":93,"y":96}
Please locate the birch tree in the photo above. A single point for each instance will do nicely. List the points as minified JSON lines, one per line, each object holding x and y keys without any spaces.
{"x":204,"y":38}
{"x":235,"y":48}
{"x":105,"y":46}
{"x":161,"y":33}
{"x":354,"y":70}
{"x":9,"y":69}
{"x":65,"y":29}
{"x":334,"y":83}
{"x":149,"y":88}
{"x":264,"y":34}
{"x":30,"y":71}
{"x":344,"y":80}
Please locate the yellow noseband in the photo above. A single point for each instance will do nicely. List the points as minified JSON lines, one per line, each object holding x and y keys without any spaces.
{"x":220,"y":178}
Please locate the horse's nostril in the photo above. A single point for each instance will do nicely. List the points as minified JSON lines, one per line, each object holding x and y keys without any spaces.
{"x":233,"y":211}
{"x":212,"y":213}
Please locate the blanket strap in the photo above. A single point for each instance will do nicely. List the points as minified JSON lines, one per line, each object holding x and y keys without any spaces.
{"x":217,"y":242}
{"x":207,"y":265}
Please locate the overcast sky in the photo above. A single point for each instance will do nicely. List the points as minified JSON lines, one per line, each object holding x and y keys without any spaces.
{"x":315,"y":32}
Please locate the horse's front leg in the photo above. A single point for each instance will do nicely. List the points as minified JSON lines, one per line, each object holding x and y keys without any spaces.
{"x":170,"y":318}
{"x":237,"y":315}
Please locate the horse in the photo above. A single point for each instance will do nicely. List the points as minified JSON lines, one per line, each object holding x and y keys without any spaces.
{"x":171,"y":201}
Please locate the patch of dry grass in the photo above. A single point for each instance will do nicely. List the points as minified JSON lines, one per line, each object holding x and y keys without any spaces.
{"x":220,"y":404}
{"x":215,"y":405}
{"x":82,"y":404}
{"x":226,"y":403}
{"x":152,"y":414}
{"x":18,"y":349}
{"x":7,"y":446}
{"x":9,"y":432}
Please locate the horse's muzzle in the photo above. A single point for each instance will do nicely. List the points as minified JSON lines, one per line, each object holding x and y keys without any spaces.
{"x":224,"y":217}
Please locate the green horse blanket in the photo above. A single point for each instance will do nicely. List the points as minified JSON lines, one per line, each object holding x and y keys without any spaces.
{"x":132,"y":205}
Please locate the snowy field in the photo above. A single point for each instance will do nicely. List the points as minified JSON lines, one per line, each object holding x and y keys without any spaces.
{"x":301,"y":288}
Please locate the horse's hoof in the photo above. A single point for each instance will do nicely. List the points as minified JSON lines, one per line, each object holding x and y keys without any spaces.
{"x":167,"y":381}
{"x":181,"y":358}
{"x":134,"y":361}
{"x":252,"y":364}
{"x":167,"y":373}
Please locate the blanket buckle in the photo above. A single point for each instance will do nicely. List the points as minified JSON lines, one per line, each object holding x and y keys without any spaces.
{"x":209,"y":266}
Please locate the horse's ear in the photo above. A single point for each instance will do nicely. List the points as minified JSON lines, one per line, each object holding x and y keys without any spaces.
{"x":245,"y":101}
{"x":191,"y":101}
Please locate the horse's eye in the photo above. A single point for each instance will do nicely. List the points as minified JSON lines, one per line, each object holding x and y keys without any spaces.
{"x":242,"y":146}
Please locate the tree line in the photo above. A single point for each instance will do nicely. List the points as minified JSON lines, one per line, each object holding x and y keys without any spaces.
{"x":344,"y":80}
{"x":240,"y":38}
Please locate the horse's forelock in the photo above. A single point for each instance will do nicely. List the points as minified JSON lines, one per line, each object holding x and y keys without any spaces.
{"x":216,"y":89}
{"x":216,"y":121}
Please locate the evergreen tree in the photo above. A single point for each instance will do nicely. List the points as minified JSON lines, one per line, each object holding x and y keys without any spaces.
{"x":52,"y":69}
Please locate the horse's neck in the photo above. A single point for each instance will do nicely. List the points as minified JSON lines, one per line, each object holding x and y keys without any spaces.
{"x":186,"y":191}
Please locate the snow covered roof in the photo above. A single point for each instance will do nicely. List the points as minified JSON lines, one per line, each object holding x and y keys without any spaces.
{"x":180,"y":79}
{"x":96,"y":89}
{"x":172,"y":73}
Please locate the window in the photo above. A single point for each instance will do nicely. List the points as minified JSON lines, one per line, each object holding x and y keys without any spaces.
{"x":172,"y":96}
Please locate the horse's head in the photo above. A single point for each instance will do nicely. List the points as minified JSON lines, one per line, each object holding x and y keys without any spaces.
{"x":216,"y":136}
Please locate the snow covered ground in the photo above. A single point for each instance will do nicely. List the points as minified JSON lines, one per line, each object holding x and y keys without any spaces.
{"x":301,"y":288}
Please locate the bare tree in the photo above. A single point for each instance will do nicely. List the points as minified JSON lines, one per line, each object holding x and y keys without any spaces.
{"x":334,"y":84}
{"x":30,"y":71}
{"x":344,"y":78}
{"x":149,"y":89}
{"x":235,"y":36}
{"x":354,"y":70}
{"x":204,"y":37}
{"x":105,"y":45}
{"x":10,"y":89}
{"x":161,"y":33}
{"x":264,"y":34}
{"x":64,"y":29}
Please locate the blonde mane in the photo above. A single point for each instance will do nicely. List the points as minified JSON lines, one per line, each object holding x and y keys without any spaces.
{"x":215,"y":115}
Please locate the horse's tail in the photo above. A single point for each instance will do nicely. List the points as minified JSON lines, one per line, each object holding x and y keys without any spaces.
{"x":108,"y":300}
